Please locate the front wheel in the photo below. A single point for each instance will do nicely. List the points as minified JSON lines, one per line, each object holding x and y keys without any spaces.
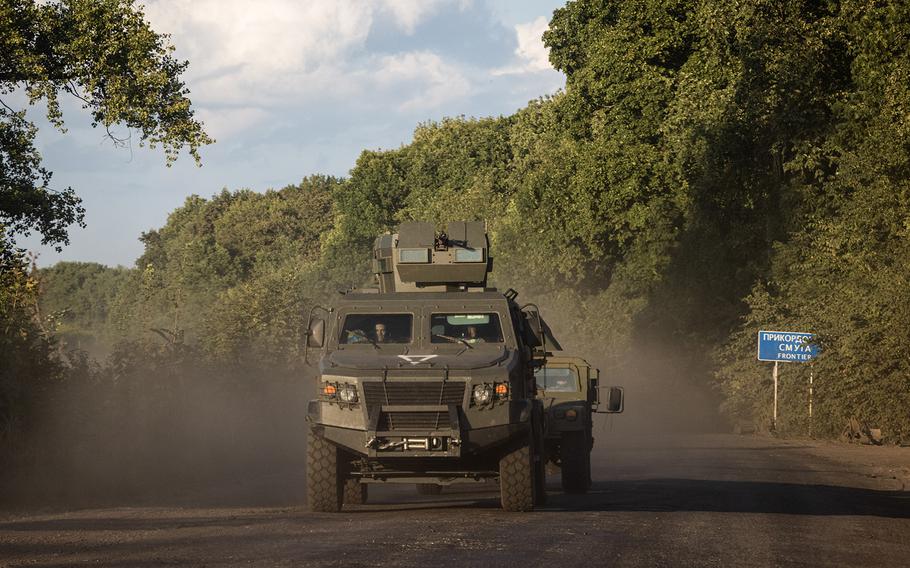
{"x":324,"y":481}
{"x":540,"y":467}
{"x":355,"y":493}
{"x":575,"y":455}
{"x":517,"y":479}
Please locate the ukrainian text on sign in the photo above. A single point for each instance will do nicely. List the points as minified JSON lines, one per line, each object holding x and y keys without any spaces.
{"x":786,"y":346}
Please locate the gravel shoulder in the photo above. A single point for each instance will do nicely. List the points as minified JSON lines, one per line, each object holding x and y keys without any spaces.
{"x":889,"y":464}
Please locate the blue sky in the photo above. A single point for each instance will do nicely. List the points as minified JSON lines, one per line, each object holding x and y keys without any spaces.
{"x":293,"y":88}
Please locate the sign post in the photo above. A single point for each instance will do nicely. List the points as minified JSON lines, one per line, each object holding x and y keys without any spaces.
{"x":787,"y":347}
{"x":810,"y":400}
{"x":774,"y":418}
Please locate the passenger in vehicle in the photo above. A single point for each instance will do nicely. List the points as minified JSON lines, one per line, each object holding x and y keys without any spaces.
{"x":471,"y":335}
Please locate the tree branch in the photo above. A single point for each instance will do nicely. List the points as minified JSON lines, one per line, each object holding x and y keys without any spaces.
{"x":8,"y":107}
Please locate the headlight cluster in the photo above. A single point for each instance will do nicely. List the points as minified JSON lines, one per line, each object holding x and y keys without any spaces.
{"x":488,"y":392}
{"x":340,"y":392}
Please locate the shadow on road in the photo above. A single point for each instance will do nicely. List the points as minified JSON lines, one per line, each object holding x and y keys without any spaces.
{"x":735,"y":497}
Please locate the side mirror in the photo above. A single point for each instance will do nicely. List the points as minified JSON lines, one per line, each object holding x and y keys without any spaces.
{"x":316,"y":333}
{"x":615,"y":401}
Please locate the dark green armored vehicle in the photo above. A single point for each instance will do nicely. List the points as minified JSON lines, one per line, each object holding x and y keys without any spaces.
{"x":428,"y":378}
{"x":568,"y":387}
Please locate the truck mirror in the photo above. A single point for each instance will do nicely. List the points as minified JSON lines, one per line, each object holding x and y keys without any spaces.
{"x":532,"y":319}
{"x":316,"y":333}
{"x":534,"y":322}
{"x":615,"y":401}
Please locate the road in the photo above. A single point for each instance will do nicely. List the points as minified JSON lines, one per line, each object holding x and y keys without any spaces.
{"x":657,"y":500}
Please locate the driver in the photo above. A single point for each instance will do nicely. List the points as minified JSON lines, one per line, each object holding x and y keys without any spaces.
{"x":380,"y":333}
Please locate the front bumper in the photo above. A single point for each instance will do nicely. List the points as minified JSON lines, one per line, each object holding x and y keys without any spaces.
{"x":455,"y":433}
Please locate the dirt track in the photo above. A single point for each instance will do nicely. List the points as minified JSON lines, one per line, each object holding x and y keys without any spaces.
{"x":685,"y":500}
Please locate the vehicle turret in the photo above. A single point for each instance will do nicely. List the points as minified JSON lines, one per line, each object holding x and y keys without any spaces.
{"x":419,"y":259}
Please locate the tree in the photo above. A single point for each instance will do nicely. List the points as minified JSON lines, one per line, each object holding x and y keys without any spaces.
{"x":106,"y":55}
{"x":28,"y":363}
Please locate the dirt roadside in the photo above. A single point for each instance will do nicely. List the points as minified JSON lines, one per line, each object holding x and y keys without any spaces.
{"x":890,"y":464}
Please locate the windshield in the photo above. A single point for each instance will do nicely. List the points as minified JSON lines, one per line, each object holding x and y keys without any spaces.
{"x":376,"y":328}
{"x":470,"y":328}
{"x":557,"y":379}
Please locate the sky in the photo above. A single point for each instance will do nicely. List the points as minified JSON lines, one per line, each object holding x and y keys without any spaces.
{"x":290,"y":89}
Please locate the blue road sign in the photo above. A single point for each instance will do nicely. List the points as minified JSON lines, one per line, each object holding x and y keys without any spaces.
{"x":786,"y":346}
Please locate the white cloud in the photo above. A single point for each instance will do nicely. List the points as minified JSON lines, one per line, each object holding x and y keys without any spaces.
{"x":530,"y":44}
{"x":272,"y":36}
{"x":273,"y":50}
{"x":283,"y":53}
{"x":531,"y":51}
{"x":427,"y":79}
{"x":224,"y":123}
{"x":409,"y":13}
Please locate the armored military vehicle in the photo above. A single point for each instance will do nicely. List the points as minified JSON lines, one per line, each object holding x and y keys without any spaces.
{"x":428,"y":378}
{"x":570,"y":391}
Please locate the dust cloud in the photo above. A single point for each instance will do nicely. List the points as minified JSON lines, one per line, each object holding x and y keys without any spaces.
{"x":206,"y":436}
{"x":666,"y":385}
{"x":185,"y":432}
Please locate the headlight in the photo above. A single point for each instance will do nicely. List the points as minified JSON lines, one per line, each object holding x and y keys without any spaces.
{"x":339,"y":391}
{"x":483,"y":394}
{"x":347,"y":393}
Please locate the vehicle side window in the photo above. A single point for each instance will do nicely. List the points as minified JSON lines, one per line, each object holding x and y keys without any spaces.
{"x":557,"y":379}
{"x":376,"y":329}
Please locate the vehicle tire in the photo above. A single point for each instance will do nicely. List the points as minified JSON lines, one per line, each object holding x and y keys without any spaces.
{"x":517,"y":479}
{"x":540,"y":466}
{"x":575,"y":456}
{"x":355,"y":493}
{"x":324,"y":480}
{"x":429,"y":488}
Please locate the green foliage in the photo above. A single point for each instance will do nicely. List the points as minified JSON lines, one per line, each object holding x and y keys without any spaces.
{"x":28,"y":360}
{"x":842,"y":268}
{"x":76,"y":298}
{"x":26,"y":201}
{"x":232,"y":273}
{"x":106,"y":55}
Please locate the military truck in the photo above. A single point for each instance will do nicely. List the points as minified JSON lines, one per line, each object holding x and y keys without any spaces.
{"x":428,"y":378}
{"x":570,"y":391}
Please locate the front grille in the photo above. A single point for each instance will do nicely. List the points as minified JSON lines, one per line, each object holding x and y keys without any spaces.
{"x":413,"y":392}
{"x":413,"y":421}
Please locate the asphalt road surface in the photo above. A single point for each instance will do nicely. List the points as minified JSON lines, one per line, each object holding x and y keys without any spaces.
{"x":657,"y":500}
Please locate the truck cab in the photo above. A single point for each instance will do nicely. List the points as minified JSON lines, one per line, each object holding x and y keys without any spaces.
{"x":569,"y":389}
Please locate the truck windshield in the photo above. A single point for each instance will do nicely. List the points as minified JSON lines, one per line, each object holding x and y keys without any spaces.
{"x":557,"y":379}
{"x":470,"y":328}
{"x":376,"y":328}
